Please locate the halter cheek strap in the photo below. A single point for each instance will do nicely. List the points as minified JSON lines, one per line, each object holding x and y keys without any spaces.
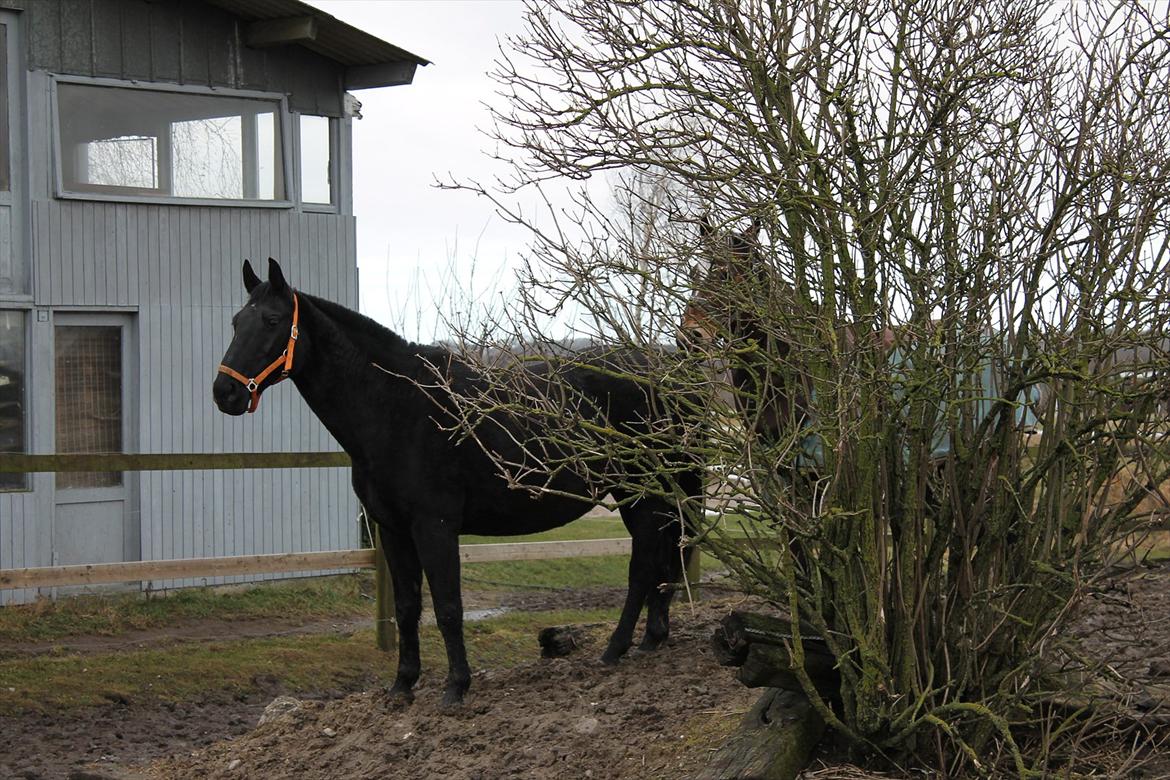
{"x":285,"y":358}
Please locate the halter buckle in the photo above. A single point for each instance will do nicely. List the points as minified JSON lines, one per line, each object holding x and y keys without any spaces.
{"x":252,"y":386}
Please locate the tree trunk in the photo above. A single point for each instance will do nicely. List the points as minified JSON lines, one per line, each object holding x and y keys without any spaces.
{"x":775,"y":741}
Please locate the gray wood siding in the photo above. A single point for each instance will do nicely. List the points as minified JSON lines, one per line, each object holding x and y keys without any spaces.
{"x":177,"y":268}
{"x":175,"y":41}
{"x":23,"y":519}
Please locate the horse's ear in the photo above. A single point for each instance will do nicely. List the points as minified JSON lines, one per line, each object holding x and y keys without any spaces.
{"x":275,"y":276}
{"x":250,"y":278}
{"x":753,"y":231}
{"x":705,"y":229}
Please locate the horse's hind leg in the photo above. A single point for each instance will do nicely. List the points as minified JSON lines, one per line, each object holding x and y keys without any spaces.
{"x":646,"y":572}
{"x":623,"y":635}
{"x":667,"y":567}
{"x":658,"y":609}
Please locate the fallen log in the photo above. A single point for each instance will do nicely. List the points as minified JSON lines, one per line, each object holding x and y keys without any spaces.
{"x":775,"y":741}
{"x":760,"y":646}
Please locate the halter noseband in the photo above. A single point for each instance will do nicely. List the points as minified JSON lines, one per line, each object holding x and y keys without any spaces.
{"x":286,"y":357}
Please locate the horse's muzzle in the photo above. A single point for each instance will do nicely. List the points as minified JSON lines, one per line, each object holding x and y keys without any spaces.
{"x":691,"y":338}
{"x":230,"y":396}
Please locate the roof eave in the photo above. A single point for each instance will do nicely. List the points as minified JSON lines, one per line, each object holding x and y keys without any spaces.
{"x":390,"y":74}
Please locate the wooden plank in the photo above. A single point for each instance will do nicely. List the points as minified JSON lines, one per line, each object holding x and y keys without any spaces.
{"x":199,"y":568}
{"x":196,"y":568}
{"x":541,"y":551}
{"x":19,"y":464}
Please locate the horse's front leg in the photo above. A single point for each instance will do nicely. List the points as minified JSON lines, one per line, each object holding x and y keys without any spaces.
{"x":406,"y":573}
{"x":439,"y":553}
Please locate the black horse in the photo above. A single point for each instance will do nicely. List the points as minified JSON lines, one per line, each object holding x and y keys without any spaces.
{"x":399,"y":410}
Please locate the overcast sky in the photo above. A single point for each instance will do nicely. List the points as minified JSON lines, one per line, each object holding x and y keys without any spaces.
{"x":413,"y":239}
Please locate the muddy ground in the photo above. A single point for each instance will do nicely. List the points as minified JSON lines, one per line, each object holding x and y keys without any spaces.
{"x":656,"y":715}
{"x":129,"y":740}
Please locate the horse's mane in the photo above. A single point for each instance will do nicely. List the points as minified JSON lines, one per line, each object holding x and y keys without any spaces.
{"x":376,"y":342}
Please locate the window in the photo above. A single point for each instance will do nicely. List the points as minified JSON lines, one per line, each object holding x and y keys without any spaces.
{"x":316,"y":160}
{"x":5,"y":177}
{"x":12,"y":416}
{"x":125,"y":141}
{"x":89,"y":398}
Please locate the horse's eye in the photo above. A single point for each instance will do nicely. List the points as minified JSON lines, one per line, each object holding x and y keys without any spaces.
{"x":271,"y":320}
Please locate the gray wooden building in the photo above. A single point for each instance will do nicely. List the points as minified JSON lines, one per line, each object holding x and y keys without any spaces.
{"x":146,"y":148}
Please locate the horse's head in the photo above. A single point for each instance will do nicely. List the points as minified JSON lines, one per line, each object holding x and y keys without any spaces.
{"x":716,"y":307}
{"x":263,"y":347}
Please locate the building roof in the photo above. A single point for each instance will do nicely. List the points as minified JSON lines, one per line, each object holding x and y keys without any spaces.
{"x":369,"y":61}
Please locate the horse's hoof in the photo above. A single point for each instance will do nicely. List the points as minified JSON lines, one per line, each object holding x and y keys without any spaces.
{"x":650,"y":645}
{"x":452,"y":700}
{"x":399,"y":697}
{"x":611,"y":657}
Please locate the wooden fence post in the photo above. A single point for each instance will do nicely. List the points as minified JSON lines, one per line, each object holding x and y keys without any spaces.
{"x":694,"y":572}
{"x":385,"y":629}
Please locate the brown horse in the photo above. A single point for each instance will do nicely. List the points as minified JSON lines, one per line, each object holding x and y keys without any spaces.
{"x":736,"y":304}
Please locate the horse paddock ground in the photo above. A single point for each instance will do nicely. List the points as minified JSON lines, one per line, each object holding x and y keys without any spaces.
{"x":656,"y":715}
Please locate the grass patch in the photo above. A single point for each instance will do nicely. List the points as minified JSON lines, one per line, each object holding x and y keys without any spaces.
{"x":603,"y":570}
{"x":585,"y":528}
{"x":300,"y":664}
{"x":108,"y":615}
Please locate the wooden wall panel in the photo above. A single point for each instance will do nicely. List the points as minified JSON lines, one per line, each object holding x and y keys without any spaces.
{"x":178,"y":269}
{"x":175,"y":41}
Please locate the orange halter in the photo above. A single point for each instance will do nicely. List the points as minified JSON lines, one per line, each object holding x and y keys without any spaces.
{"x":286,"y":357}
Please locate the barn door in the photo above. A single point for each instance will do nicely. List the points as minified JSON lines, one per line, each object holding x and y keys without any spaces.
{"x":95,"y":519}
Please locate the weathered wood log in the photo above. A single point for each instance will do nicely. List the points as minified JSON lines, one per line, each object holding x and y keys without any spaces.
{"x":758,"y":645}
{"x":775,"y":741}
{"x":559,"y":641}
{"x":768,"y":666}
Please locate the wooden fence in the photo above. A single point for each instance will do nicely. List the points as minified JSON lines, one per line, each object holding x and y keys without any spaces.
{"x":194,"y":568}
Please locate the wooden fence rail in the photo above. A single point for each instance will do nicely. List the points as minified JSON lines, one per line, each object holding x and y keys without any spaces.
{"x":196,"y":568}
{"x":116,"y":461}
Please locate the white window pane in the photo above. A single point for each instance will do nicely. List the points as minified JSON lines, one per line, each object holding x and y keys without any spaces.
{"x":268,"y":161}
{"x":130,"y":161}
{"x":208,"y":158}
{"x":315,"y":161}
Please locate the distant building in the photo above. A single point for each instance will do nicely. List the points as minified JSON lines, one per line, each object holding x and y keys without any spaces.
{"x":146,"y":148}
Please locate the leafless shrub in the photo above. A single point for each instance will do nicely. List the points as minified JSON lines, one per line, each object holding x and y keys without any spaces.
{"x":954,"y":411}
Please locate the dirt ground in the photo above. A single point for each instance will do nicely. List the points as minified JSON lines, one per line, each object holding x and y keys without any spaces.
{"x":656,"y":715}
{"x":567,"y":717}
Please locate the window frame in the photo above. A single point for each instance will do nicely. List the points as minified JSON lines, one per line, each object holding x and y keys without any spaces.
{"x":286,"y":143}
{"x":332,"y":207}
{"x":6,"y":125}
{"x":25,"y":312}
